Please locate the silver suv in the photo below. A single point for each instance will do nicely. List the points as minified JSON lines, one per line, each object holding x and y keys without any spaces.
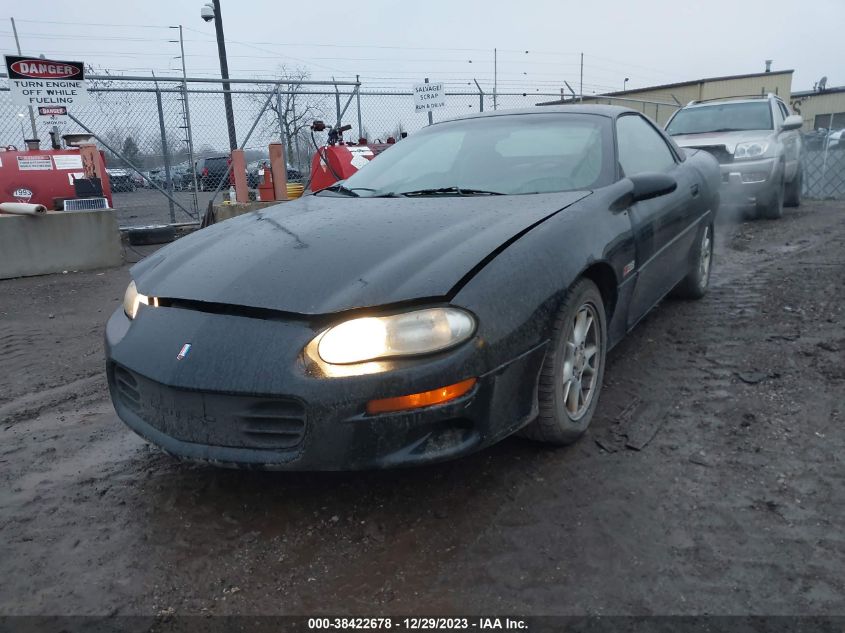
{"x":757,"y":143}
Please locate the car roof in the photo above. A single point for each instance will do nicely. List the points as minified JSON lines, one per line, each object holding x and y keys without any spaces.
{"x":610,"y":111}
{"x":713,"y":102}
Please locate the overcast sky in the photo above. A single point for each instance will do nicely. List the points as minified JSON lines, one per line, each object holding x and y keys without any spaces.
{"x":396,"y":43}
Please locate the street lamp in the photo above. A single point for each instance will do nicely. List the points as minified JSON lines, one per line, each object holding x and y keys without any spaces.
{"x":625,"y":83}
{"x":211,"y":11}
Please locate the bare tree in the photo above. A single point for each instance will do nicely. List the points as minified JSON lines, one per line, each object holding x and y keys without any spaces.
{"x":293,"y":110}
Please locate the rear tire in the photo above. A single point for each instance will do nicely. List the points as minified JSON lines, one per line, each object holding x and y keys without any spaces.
{"x":694,"y":285}
{"x":792,"y":197}
{"x":572,"y":373}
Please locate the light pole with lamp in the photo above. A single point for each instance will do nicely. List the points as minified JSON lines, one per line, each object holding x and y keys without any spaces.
{"x":625,"y":83}
{"x":211,"y":11}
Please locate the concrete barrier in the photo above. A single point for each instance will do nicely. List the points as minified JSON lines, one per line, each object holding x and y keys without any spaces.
{"x":53,"y":242}
{"x":227,"y":211}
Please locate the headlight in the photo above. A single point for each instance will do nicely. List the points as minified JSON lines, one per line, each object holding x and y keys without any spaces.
{"x":132,"y":299}
{"x":750,"y":150}
{"x":407,"y":334}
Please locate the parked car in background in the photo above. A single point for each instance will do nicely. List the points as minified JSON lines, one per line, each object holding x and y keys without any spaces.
{"x":158,"y":176}
{"x":210,"y":171}
{"x":121,"y":180}
{"x":814,"y":140}
{"x":138,"y":179}
{"x":758,"y":145}
{"x":836,"y":140}
{"x":254,"y":172}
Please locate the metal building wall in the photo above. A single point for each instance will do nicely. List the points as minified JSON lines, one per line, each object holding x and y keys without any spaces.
{"x":822,"y":103}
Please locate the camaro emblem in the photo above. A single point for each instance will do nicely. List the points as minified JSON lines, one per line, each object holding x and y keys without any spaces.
{"x":186,"y":349}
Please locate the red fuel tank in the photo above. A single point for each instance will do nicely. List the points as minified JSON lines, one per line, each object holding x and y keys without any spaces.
{"x":40,"y":176}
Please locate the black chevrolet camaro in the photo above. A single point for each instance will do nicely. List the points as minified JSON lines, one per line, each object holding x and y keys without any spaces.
{"x":465,"y":285}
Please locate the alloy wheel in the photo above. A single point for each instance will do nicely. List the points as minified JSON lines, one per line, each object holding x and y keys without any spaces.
{"x":581,"y":358}
{"x":704,"y":259}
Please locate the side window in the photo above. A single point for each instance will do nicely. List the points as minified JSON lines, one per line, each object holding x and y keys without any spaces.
{"x":641,"y":148}
{"x":783,"y":110}
{"x":779,"y":115}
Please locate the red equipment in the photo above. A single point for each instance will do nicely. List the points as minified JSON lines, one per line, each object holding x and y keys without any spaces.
{"x":42,"y":176}
{"x":338,"y":160}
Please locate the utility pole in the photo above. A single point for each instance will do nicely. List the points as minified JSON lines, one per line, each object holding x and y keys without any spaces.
{"x":224,"y":73}
{"x":495,"y":77}
{"x":582,"y":77}
{"x":31,"y":111}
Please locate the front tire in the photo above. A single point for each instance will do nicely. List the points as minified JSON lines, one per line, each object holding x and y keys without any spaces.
{"x":792,"y":197}
{"x":572,"y":373}
{"x":773,"y":209}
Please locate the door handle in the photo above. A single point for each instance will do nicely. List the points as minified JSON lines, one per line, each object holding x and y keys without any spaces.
{"x":694,"y":190}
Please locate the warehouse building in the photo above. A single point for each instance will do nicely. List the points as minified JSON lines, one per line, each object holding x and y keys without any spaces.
{"x":660,"y":102}
{"x":823,"y":108}
{"x":820,"y":108}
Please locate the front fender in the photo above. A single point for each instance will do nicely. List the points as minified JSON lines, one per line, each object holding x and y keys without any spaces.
{"x":517,"y":294}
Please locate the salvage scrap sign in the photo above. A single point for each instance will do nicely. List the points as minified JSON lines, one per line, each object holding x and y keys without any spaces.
{"x":46,"y":82}
{"x":429,"y":97}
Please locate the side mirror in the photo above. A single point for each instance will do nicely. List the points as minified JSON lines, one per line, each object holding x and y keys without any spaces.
{"x":792,"y":122}
{"x":651,"y":185}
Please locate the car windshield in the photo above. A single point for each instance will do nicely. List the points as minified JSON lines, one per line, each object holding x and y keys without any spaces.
{"x":722,"y":117}
{"x":500,"y":154}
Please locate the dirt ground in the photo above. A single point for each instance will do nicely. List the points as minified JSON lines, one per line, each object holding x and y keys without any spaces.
{"x":148,"y":206}
{"x":711,"y":482}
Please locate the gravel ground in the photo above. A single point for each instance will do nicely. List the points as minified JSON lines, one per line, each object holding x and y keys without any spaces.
{"x":148,"y":206}
{"x":711,"y":481}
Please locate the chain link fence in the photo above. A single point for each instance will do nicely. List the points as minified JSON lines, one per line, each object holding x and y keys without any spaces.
{"x":824,"y":173}
{"x":168,"y":126}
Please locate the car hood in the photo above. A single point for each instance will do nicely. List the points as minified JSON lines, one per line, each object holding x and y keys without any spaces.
{"x":322,"y":254}
{"x":728,"y":139}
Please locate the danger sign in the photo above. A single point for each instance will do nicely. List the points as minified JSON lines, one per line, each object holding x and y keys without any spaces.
{"x":46,"y":82}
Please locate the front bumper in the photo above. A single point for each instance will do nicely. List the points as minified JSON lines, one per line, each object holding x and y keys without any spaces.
{"x":748,"y":183}
{"x":246,"y":396}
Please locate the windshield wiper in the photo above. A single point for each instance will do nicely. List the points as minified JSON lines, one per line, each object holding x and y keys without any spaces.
{"x":451,"y":190}
{"x":339,"y":188}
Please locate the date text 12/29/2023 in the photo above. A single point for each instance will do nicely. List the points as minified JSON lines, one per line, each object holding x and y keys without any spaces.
{"x":418,"y":624}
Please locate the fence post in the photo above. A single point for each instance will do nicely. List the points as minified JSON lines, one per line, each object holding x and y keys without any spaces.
{"x":295,"y":149}
{"x":165,"y":150}
{"x":430,"y":121}
{"x":358,"y":100}
{"x":283,"y":124}
{"x":337,"y":103}
{"x":480,"y":96}
{"x":190,"y":140}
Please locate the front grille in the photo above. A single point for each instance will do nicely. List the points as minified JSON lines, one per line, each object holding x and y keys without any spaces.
{"x":274,"y":423}
{"x":127,"y":387}
{"x":719,"y":152}
{"x":213,"y":419}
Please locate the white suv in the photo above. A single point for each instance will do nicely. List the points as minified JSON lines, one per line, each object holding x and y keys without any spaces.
{"x":757,"y":143}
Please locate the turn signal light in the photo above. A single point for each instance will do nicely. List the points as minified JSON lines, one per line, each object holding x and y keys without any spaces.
{"x":424,"y":399}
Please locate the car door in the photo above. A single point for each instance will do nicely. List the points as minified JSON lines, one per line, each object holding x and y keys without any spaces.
{"x":663,"y":226}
